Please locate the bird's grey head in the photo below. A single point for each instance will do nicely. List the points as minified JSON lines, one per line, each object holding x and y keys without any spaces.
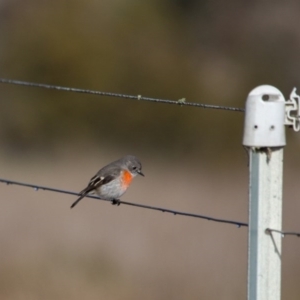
{"x":133,"y":164}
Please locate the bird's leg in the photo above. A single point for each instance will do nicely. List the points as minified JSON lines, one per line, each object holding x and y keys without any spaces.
{"x":116,"y":202}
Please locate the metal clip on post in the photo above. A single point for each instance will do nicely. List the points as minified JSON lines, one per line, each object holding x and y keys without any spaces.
{"x":292,"y":116}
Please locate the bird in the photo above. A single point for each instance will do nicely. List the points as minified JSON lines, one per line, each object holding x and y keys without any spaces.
{"x":112,"y":181}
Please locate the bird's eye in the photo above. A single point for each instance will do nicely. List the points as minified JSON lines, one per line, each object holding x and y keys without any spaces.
{"x":134,"y":168}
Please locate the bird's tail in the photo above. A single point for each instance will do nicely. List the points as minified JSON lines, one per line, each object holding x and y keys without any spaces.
{"x":81,"y":197}
{"x":83,"y":193}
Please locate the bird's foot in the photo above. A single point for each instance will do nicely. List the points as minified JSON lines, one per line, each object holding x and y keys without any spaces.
{"x":115,"y":202}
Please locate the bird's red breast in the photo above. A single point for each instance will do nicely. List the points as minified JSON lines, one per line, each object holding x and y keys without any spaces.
{"x":127,"y":177}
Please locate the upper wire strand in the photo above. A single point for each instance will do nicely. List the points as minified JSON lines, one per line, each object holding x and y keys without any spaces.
{"x":179,"y":102}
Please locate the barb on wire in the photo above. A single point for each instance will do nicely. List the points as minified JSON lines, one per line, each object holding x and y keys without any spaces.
{"x":283,"y":233}
{"x":174,"y":212}
{"x":138,"y":97}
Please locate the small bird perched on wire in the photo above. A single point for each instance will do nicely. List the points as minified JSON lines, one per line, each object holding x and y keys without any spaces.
{"x":112,"y":181}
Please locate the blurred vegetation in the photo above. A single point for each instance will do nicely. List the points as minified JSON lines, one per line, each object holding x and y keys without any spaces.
{"x":208,"y":52}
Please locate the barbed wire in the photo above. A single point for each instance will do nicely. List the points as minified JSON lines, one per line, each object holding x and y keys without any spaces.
{"x":171,"y":211}
{"x":166,"y":210}
{"x":180,"y":102}
{"x":283,"y":233}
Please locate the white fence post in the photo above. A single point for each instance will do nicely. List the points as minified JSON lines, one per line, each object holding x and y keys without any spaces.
{"x":264,"y":136}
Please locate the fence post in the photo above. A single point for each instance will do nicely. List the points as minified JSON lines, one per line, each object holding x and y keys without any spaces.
{"x":264,"y":137}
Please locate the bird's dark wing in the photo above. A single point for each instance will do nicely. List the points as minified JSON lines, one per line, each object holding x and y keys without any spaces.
{"x":95,"y":183}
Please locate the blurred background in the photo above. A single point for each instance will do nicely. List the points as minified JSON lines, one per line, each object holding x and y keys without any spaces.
{"x":205,"y":51}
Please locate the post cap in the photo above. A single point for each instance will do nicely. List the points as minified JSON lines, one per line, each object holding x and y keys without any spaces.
{"x":264,"y":118}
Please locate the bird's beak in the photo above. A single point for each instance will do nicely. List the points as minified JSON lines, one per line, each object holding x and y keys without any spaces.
{"x":140,"y":173}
